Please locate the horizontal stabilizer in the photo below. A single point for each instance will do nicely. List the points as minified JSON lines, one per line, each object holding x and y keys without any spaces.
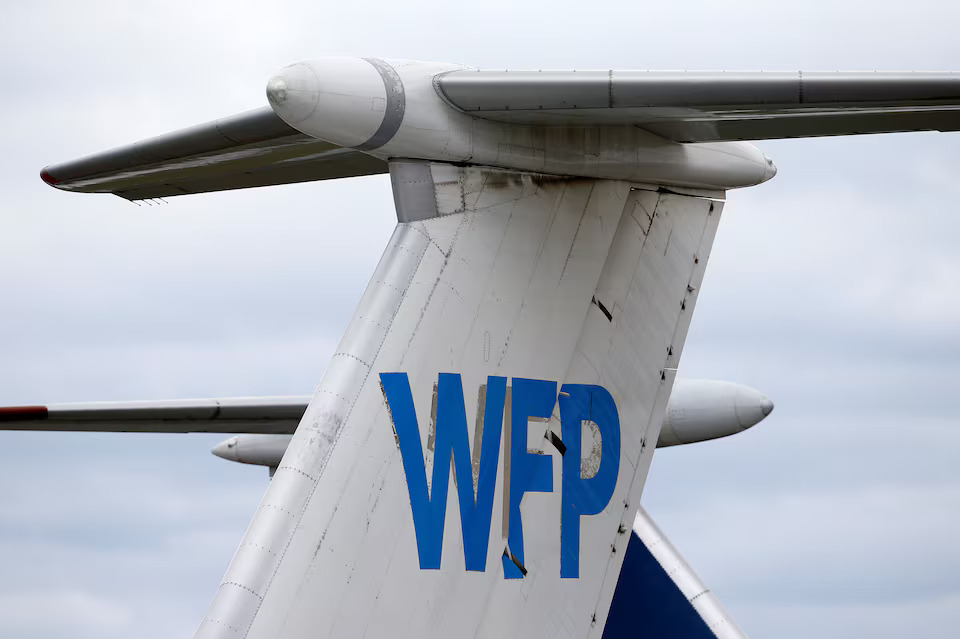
{"x":255,"y":148}
{"x":267,"y":415}
{"x":713,"y":105}
{"x":698,"y":410}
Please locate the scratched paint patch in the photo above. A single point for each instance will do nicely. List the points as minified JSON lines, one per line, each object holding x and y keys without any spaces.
{"x":591,"y":445}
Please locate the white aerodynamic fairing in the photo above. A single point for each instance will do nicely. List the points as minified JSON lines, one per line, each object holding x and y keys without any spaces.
{"x":517,"y":344}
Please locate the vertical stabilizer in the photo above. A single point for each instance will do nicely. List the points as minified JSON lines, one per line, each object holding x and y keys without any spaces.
{"x":510,"y":313}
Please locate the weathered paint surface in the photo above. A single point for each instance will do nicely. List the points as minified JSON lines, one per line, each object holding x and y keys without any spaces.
{"x":496,"y":280}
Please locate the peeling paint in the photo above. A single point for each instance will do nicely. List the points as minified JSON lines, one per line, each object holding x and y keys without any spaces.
{"x":592,"y":442}
{"x":432,"y":432}
{"x":515,"y":561}
{"x":478,"y":437}
{"x":396,"y":438}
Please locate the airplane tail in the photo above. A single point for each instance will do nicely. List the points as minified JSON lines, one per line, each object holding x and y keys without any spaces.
{"x":552,"y":309}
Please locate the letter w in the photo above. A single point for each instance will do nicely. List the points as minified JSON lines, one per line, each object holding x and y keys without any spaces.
{"x":452,"y":440}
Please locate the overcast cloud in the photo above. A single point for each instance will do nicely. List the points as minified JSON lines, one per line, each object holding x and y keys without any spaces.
{"x":833,"y":289}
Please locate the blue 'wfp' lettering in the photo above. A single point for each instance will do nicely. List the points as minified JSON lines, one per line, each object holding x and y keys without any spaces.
{"x":529,"y":472}
{"x":579,"y":403}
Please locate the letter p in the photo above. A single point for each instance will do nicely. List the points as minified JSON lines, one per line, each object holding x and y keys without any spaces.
{"x":585,"y":496}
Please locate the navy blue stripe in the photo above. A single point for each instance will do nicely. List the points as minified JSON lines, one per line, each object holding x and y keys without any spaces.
{"x":648,"y":604}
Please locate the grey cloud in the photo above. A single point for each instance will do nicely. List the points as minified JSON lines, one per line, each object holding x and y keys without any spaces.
{"x":834,"y":547}
{"x":923,"y":620}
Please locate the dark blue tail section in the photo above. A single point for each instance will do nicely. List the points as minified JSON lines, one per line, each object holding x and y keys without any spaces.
{"x":648,"y":604}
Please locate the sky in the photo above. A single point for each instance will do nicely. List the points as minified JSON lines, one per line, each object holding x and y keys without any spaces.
{"x":832,"y":289}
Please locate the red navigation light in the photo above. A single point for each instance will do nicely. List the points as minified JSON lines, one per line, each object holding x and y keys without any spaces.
{"x":49,"y":179}
{"x":19,"y":413}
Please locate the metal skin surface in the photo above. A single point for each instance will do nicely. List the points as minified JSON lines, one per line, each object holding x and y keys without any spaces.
{"x":232,"y":415}
{"x":251,"y":149}
{"x":469,"y":291}
{"x":697,"y":106}
{"x":344,"y":105}
{"x":704,"y":409}
{"x":501,"y":90}
{"x":259,"y":450}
